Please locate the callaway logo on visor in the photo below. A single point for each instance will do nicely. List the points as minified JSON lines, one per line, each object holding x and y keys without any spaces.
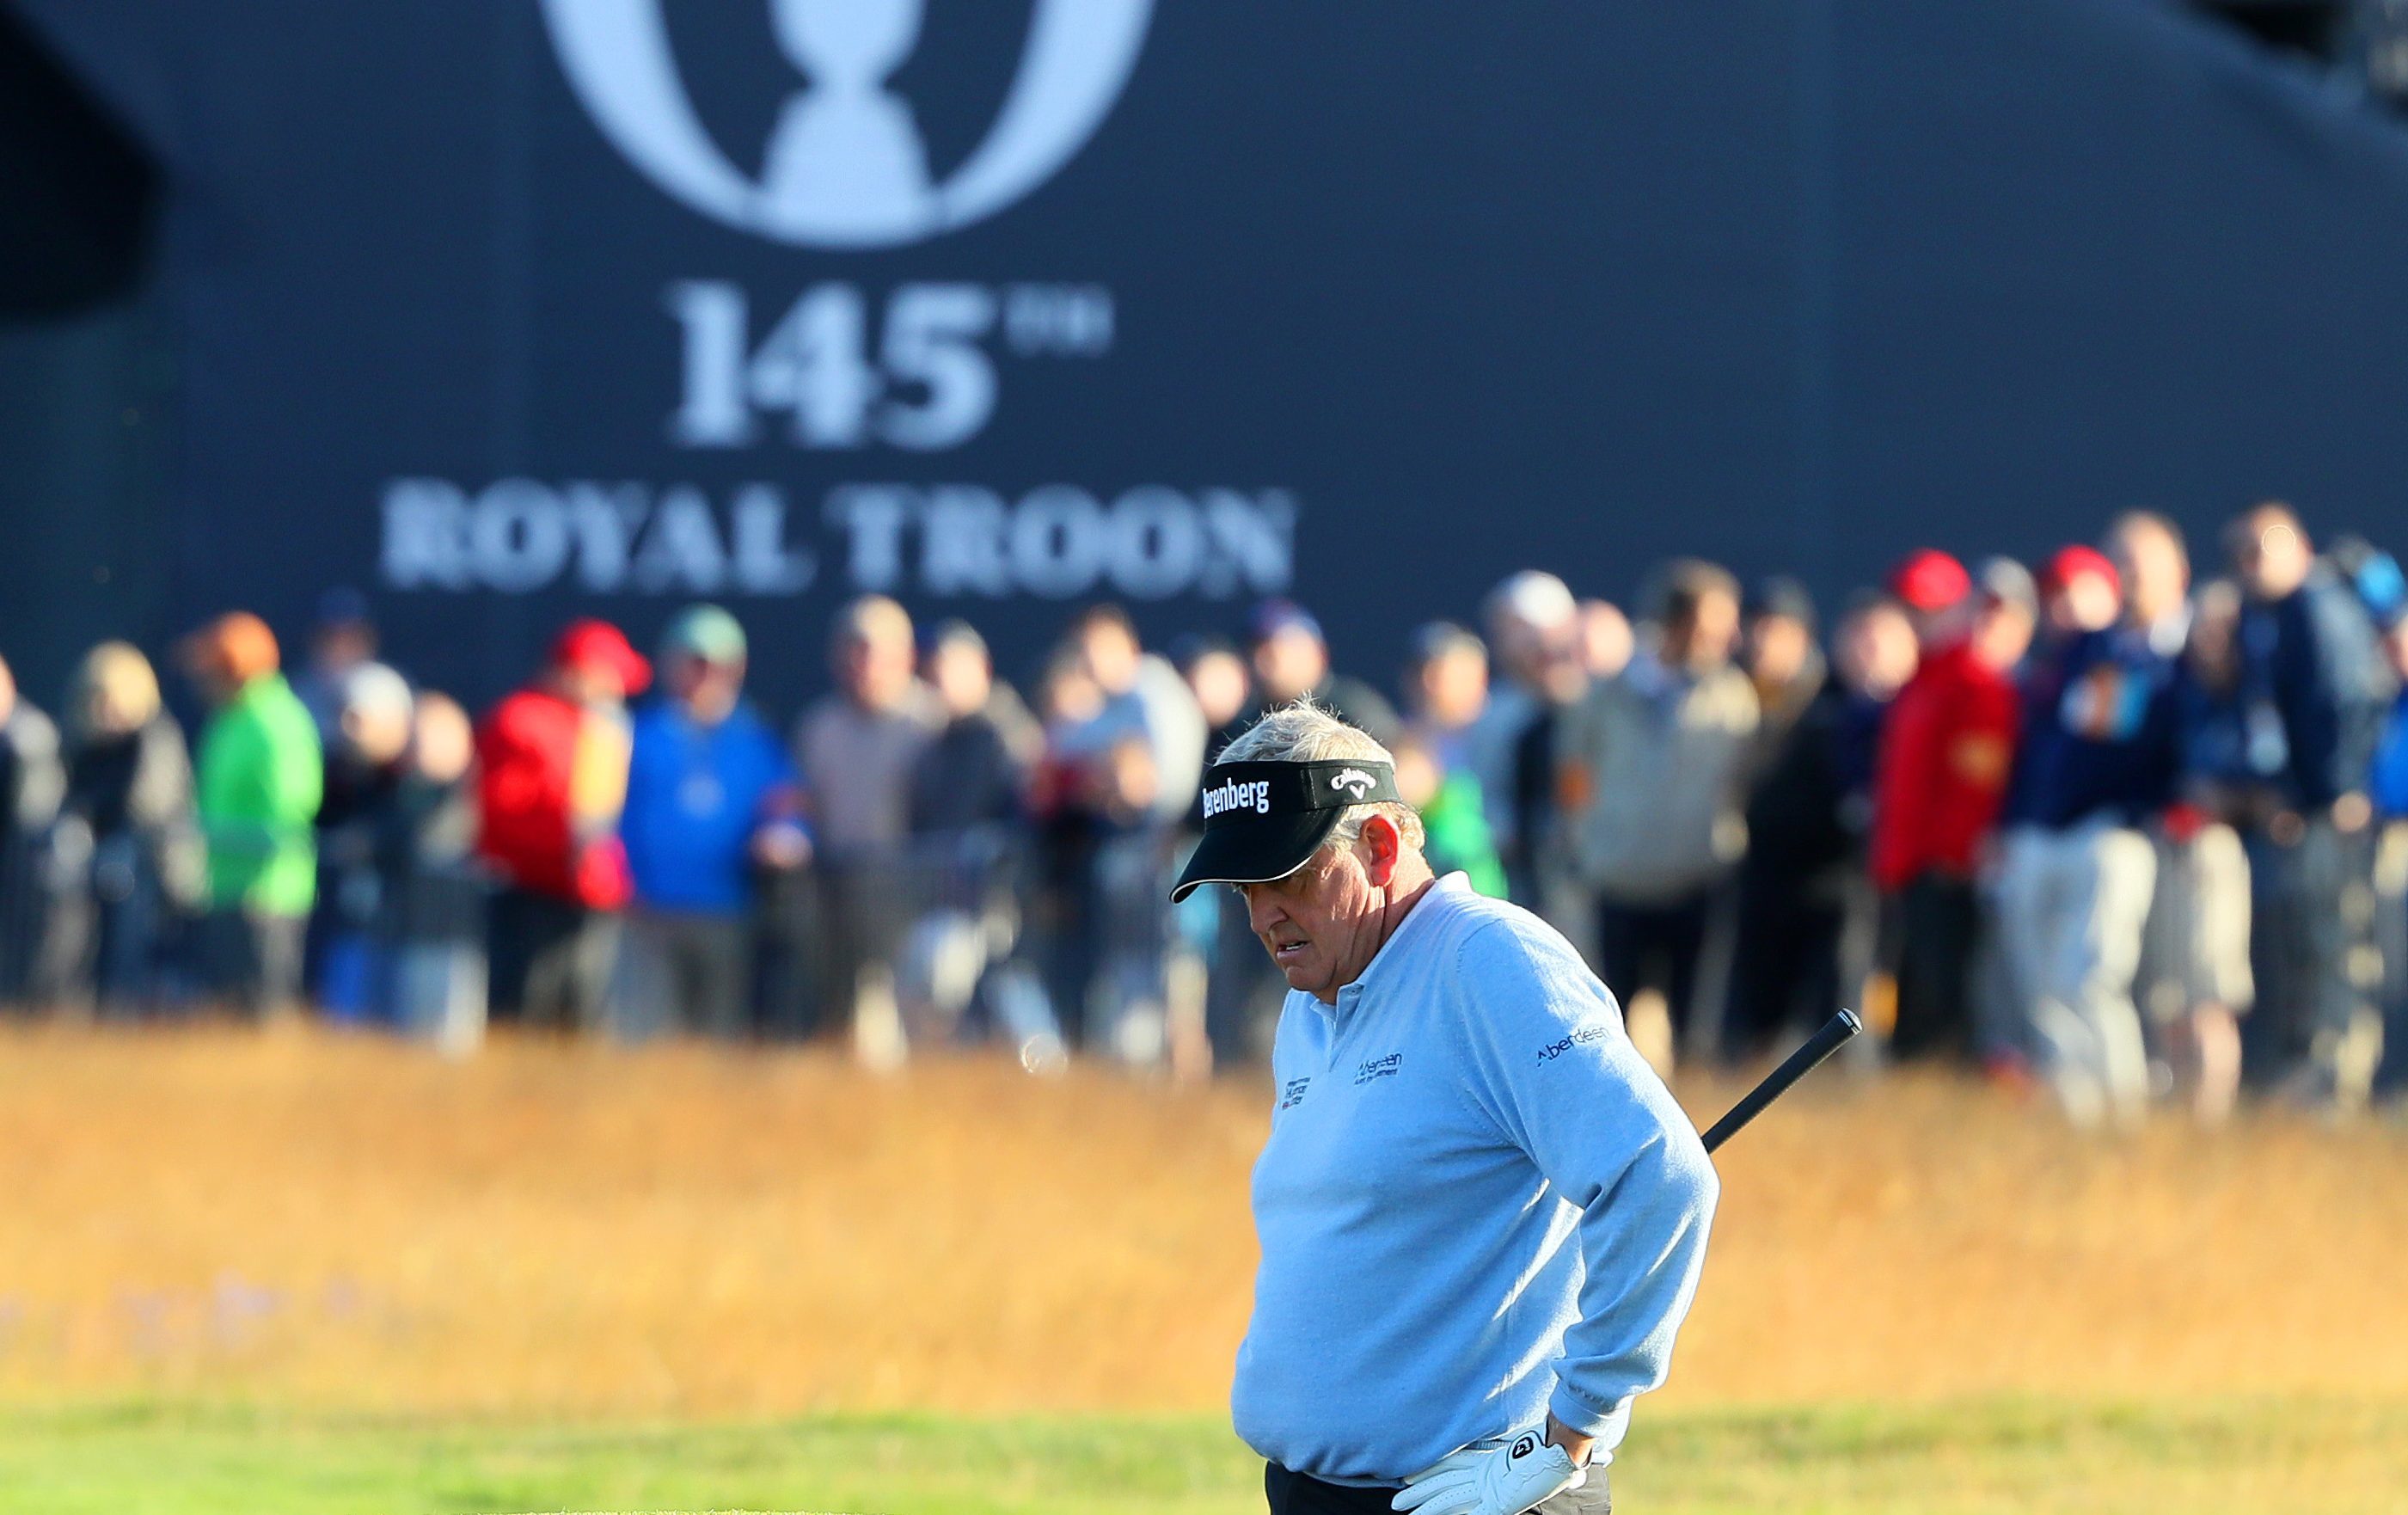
{"x":1263,"y":820}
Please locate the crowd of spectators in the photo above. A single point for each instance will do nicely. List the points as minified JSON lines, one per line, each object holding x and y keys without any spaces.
{"x":2100,"y":831}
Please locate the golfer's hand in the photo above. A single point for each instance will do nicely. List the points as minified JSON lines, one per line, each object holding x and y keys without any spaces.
{"x":1492,"y":1481}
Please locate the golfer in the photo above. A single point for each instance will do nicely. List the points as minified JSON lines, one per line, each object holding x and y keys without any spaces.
{"x":1481,"y":1215}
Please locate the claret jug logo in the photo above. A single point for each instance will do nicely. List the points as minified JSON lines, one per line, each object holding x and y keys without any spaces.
{"x":845,"y":165}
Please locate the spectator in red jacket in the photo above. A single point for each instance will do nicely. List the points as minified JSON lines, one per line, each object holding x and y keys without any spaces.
{"x":1946,"y":752}
{"x":553,"y":761}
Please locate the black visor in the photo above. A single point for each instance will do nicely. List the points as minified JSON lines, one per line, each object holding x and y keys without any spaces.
{"x":1263,"y":821}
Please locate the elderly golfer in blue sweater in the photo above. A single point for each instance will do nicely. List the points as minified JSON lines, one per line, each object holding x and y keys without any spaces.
{"x":1481,"y":1215}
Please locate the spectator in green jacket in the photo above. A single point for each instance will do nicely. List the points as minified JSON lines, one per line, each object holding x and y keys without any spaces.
{"x":1458,"y":838}
{"x":260,"y":775}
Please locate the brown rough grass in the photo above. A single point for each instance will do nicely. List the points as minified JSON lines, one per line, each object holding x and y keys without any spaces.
{"x":340,"y":1223}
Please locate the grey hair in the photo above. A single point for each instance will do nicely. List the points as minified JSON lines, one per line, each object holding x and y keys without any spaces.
{"x":1303,"y":732}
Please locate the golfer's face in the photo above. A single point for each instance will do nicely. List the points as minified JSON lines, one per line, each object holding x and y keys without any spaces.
{"x":1315,"y":922}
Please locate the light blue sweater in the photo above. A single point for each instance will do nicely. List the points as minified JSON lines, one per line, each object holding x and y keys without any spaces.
{"x":1477,"y":1204}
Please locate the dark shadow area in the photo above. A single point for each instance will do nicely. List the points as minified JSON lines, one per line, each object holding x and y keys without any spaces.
{"x":84,"y":371}
{"x":2311,"y":28}
{"x":77,"y":194}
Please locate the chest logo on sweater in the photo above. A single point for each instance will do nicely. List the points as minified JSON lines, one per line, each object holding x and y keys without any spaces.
{"x":1374,"y":1068}
{"x":1580,"y":1037}
{"x":1292,"y":1092}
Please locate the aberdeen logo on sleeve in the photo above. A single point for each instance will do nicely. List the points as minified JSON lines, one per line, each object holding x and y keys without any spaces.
{"x":1579,"y":1037}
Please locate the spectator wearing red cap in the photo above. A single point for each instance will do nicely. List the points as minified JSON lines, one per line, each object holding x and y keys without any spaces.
{"x":552,"y":778}
{"x":1946,"y":751}
{"x":2097,"y":766}
{"x":2076,"y":594}
{"x":2080,"y":593}
{"x":1930,"y":583}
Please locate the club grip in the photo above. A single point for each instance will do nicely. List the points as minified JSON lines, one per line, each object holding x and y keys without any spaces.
{"x":1833,"y":1034}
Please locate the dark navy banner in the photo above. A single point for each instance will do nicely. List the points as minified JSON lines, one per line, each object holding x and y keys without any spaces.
{"x":504,"y":310}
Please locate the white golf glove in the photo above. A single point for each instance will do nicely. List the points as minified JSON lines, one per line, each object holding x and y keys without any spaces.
{"x":1503,"y":1480}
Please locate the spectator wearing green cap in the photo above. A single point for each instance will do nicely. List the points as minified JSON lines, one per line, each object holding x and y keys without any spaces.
{"x":712,"y":803}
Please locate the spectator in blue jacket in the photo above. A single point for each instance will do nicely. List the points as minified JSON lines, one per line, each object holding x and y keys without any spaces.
{"x":712,"y":800}
{"x":2390,"y":792}
{"x":2389,"y":787}
{"x":2373,"y":575}
{"x":2097,"y":770}
{"x":2314,"y":690}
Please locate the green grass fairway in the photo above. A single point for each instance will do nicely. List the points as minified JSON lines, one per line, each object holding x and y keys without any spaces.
{"x":2022,"y":1458}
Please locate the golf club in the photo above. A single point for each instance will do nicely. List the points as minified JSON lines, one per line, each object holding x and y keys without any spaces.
{"x":1834,"y":1035}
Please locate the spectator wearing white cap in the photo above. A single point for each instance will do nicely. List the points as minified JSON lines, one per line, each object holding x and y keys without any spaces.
{"x":1535,"y":638}
{"x":370,"y":709}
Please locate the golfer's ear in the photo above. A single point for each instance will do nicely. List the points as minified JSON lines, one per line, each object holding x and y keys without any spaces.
{"x":1380,"y":846}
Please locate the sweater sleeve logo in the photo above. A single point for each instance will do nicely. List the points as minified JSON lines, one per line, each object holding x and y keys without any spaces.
{"x":1579,"y":1037}
{"x":1292,"y":1092}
